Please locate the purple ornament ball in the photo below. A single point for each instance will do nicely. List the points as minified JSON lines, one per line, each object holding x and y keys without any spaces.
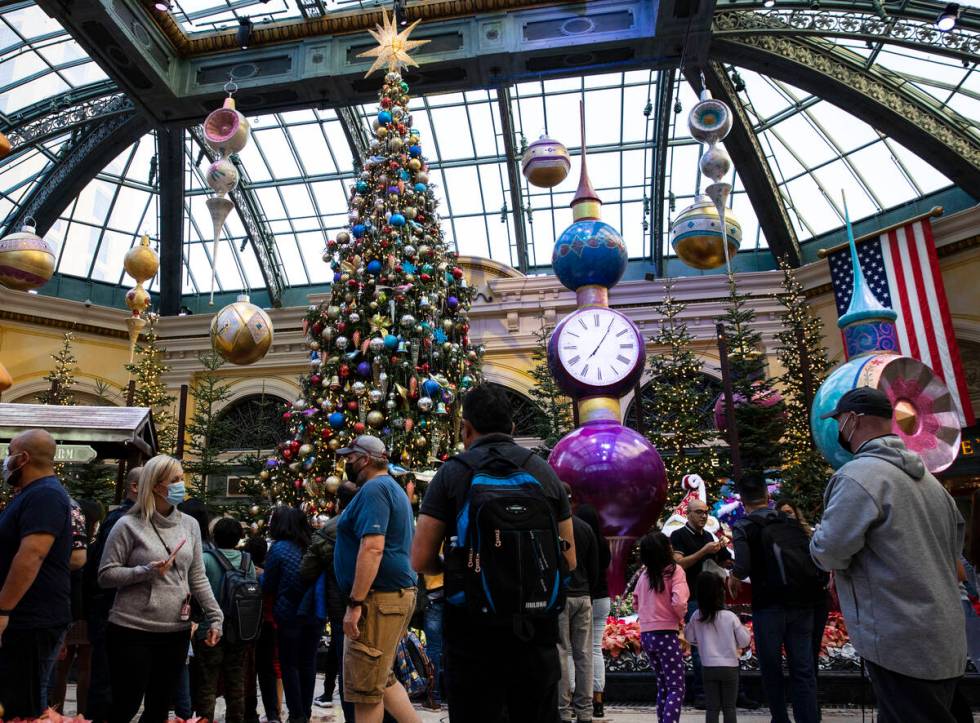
{"x":364,"y":369}
{"x":621,"y":474}
{"x":452,"y":302}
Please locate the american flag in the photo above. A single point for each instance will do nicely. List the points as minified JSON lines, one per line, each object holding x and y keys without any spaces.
{"x":902,"y":270}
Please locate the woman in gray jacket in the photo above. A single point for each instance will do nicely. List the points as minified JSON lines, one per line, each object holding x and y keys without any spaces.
{"x":153,"y":557}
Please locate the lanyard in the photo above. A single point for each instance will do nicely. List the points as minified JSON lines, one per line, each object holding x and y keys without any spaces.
{"x":167,"y":548}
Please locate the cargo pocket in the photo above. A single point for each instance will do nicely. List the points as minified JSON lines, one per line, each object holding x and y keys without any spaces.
{"x":363,"y":674}
{"x":392,"y":622}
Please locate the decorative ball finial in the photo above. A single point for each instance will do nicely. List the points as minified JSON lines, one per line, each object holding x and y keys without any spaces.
{"x":26,"y":260}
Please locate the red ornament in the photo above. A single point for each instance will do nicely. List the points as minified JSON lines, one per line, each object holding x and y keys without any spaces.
{"x":298,"y":484}
{"x":359,"y":427}
{"x":352,"y":405}
{"x":341,"y":326}
{"x":287,"y":453}
{"x":457,"y":272}
{"x":318,"y":328}
{"x":287,"y":416}
{"x":294,"y":444}
{"x":425,"y":367}
{"x":393,"y":165}
{"x":401,"y":128}
{"x":315,"y":379}
{"x":327,"y":433}
{"x":425,"y":277}
{"x":344,"y":370}
{"x":386,"y":102}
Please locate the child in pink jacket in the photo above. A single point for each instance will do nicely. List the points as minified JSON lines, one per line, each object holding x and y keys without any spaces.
{"x":660,"y":599}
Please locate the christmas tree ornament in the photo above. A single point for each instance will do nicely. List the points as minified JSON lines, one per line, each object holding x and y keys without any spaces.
{"x":6,"y":381}
{"x":241,"y":332}
{"x":5,"y":147}
{"x":923,"y":415}
{"x":226,"y":130}
{"x":26,"y":260}
{"x":546,"y":162}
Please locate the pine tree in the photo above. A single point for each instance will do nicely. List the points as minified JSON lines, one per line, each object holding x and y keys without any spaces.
{"x":206,"y":428}
{"x":555,"y":421}
{"x":93,"y":480}
{"x":759,"y":408}
{"x":805,"y":471}
{"x":150,"y":391}
{"x":62,"y":377}
{"x":675,"y":405}
{"x":390,"y":353}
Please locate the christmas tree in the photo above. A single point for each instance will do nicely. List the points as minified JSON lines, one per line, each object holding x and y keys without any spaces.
{"x":805,"y":471}
{"x":205,"y":428}
{"x":62,"y":377}
{"x":150,"y":391}
{"x":389,"y":351}
{"x":674,"y":412}
{"x":556,"y":418}
{"x":759,"y":408}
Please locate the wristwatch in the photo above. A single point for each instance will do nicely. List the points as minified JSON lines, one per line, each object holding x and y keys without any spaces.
{"x":564,"y":544}
{"x":355,"y":603}
{"x":6,"y":613}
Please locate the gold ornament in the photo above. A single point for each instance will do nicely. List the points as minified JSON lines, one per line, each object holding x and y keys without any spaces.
{"x":26,"y":259}
{"x":393,"y":46}
{"x":137,"y":299}
{"x":135,"y":324}
{"x":696,"y":235}
{"x":332,"y":484}
{"x":546,"y":163}
{"x":241,"y":332}
{"x":6,"y":381}
{"x":141,"y":261}
{"x":375,"y":419}
{"x":5,"y":147}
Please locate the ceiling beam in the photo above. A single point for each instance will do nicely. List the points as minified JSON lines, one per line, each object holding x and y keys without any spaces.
{"x":253,"y":219}
{"x":170,"y":151}
{"x":79,"y":160}
{"x":752,"y":165}
{"x":663,"y":111}
{"x":941,"y":137}
{"x":356,"y":135}
{"x":513,"y":158}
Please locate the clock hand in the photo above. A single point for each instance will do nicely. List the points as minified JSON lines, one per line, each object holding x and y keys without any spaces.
{"x":608,"y":329}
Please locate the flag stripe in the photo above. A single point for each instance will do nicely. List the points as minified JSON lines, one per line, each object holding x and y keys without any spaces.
{"x":904,"y":294}
{"x":920,"y":303}
{"x":888,"y":243}
{"x":957,"y":378}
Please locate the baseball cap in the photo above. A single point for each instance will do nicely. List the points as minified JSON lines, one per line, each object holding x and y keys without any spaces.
{"x":365,"y":444}
{"x":863,"y":400}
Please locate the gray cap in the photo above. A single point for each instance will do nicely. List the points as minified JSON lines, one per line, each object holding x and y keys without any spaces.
{"x":365,"y":444}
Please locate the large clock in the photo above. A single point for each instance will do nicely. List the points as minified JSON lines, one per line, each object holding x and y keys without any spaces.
{"x":596,"y":351}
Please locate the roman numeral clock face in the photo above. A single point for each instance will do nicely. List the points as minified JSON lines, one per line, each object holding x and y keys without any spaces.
{"x":598,"y":347}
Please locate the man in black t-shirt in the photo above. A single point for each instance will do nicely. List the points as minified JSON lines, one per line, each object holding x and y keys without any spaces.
{"x":35,"y":547}
{"x":693,"y":546}
{"x":490,"y":673}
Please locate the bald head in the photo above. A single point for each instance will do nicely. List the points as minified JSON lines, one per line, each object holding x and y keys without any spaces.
{"x":33,"y":452}
{"x":697,"y":514}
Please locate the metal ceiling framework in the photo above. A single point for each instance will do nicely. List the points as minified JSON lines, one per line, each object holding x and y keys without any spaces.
{"x":783,"y":43}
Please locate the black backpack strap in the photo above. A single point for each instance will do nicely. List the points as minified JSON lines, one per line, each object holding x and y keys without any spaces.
{"x":246,"y":561}
{"x":219,"y":556}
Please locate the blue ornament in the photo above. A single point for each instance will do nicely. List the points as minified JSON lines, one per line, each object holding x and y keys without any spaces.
{"x":359,"y":229}
{"x":374,"y":267}
{"x":336,"y":277}
{"x":421,"y":187}
{"x":361,"y":186}
{"x":391,"y":342}
{"x":384,"y":117}
{"x":589,"y":252}
{"x":336,"y":420}
{"x":440,"y":336}
{"x":432,"y":388}
{"x":408,"y":267}
{"x":415,"y":151}
{"x":404,"y":175}
{"x":397,"y":219}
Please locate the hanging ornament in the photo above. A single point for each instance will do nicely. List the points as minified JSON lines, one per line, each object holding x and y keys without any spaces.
{"x":241,"y":332}
{"x":26,"y":259}
{"x":6,"y":381}
{"x":5,"y":147}
{"x":545,"y":163}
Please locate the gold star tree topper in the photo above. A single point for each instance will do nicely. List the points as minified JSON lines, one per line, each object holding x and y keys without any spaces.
{"x":393,"y":46}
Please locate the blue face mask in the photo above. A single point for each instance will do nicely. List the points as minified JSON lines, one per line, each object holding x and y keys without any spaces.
{"x":176,"y":493}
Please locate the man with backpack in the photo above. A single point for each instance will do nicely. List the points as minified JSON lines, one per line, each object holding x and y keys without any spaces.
{"x":505,"y":521}
{"x":892,"y":535}
{"x":236,"y":588}
{"x":773,"y":550}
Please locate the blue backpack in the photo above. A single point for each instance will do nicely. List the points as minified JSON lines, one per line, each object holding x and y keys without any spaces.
{"x":413,"y":669}
{"x":505,"y":565}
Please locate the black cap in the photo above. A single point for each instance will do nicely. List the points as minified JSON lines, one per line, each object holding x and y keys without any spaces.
{"x":863,"y":400}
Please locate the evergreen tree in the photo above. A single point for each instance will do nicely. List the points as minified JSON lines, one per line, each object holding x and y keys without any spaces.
{"x":93,"y":480}
{"x":389,"y":351}
{"x":759,"y":408}
{"x":206,"y":428}
{"x":805,"y":471}
{"x":556,"y":419}
{"x":150,"y":391}
{"x":675,"y":406}
{"x":62,"y":377}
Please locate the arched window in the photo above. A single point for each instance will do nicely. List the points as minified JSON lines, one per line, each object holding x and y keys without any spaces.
{"x":527,"y":415}
{"x":708,"y":382}
{"x":254,"y":422}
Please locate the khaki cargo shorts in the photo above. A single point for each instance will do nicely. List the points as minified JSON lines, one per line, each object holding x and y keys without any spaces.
{"x":368,"y":660}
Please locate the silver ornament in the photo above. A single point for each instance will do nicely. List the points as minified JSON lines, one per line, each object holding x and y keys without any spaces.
{"x":425,"y":404}
{"x":375,"y":396}
{"x":376,"y":345}
{"x":359,"y":388}
{"x":341,"y":342}
{"x":407,"y":321}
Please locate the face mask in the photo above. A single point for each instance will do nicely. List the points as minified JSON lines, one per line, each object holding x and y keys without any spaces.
{"x":176,"y":493}
{"x":350,"y":473}
{"x":844,"y":440}
{"x":9,"y":471}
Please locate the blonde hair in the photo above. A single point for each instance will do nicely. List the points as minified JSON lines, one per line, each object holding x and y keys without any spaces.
{"x":160,"y":468}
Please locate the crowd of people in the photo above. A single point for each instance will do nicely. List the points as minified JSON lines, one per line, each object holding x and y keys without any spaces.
{"x":163,"y":608}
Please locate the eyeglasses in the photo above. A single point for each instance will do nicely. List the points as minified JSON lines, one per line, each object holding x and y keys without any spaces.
{"x":699,"y":512}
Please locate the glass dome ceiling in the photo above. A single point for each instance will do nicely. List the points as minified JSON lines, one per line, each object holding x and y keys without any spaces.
{"x":299,"y":164}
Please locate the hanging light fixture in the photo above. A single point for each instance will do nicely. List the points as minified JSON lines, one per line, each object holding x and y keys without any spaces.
{"x":768,"y":3}
{"x":401,"y":12}
{"x":948,"y":17}
{"x":164,"y":6}
{"x":244,"y":32}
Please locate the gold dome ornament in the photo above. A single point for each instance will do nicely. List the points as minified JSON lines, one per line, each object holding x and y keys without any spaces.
{"x":5,"y":147}
{"x":26,"y":259}
{"x":697,"y":238}
{"x":141,"y":261}
{"x":6,"y":381}
{"x":241,"y":332}
{"x":546,"y":162}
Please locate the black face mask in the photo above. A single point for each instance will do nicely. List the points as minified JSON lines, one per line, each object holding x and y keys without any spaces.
{"x":350,"y":473}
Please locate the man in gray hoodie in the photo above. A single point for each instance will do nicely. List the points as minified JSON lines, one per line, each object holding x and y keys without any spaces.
{"x":892,"y":535}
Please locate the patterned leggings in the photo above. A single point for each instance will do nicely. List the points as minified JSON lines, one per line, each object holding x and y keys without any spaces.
{"x":667,"y":660}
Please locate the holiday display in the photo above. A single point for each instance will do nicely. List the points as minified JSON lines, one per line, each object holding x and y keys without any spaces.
{"x":694,"y":486}
{"x":62,"y":377}
{"x":147,"y":372}
{"x":596,"y":355}
{"x":389,"y":351}
{"x":26,"y":260}
{"x":141,"y":262}
{"x":241,"y":332}
{"x":545,"y":162}
{"x":706,"y":237}
{"x":762,"y":397}
{"x":924,"y":416}
{"x":226,"y":131}
{"x":556,"y":419}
